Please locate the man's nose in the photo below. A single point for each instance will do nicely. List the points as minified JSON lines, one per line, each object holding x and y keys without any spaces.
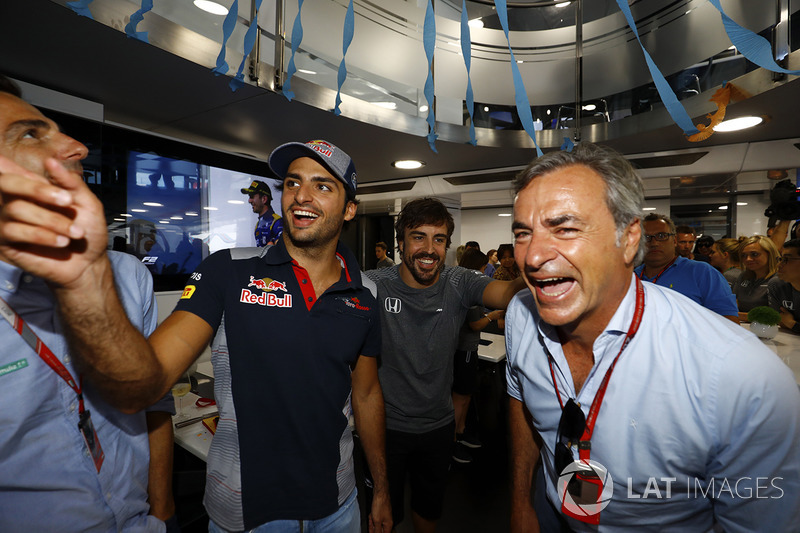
{"x":68,"y":149}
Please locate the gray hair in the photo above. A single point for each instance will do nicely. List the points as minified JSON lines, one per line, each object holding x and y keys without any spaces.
{"x":624,"y":189}
{"x":657,"y":217}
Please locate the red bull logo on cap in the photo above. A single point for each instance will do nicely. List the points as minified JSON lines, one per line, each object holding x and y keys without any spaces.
{"x":322,"y":147}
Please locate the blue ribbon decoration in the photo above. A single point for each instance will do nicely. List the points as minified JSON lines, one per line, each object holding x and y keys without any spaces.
{"x":520,"y":94}
{"x":297,"y":38}
{"x":466,"y":51}
{"x":227,"y":29}
{"x":429,"y":42}
{"x":136,"y":18}
{"x":668,"y":97}
{"x":751,"y":45}
{"x":347,"y":38}
{"x":249,"y":42}
{"x":567,"y":145}
{"x":81,"y":7}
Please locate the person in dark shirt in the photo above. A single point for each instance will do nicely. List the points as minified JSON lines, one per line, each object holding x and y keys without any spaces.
{"x":785,"y":297}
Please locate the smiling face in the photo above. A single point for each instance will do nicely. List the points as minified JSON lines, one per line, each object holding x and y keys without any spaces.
{"x":565,"y":243}
{"x":27,"y":137}
{"x":423,"y":251}
{"x":314,"y":205}
{"x":659,"y":253}
{"x":259,"y":202}
{"x":507,"y":261}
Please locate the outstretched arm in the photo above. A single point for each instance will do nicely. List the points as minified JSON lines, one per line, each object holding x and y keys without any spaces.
{"x":524,"y":455}
{"x":370,"y":418}
{"x":498,"y":293}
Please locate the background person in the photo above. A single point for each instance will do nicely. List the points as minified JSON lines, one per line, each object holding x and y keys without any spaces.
{"x":724,"y":256}
{"x":491,"y":266}
{"x":759,"y":257}
{"x":785,"y":297}
{"x":384,"y":261}
{"x":702,"y":248}
{"x":269,"y":225}
{"x":685,"y":239}
{"x":508,"y":270}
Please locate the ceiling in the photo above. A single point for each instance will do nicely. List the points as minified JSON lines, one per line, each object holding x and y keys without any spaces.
{"x":145,"y":87}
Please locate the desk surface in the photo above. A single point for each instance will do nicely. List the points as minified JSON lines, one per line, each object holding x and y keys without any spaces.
{"x":787,"y":346}
{"x":494,"y":352}
{"x":195,"y":438}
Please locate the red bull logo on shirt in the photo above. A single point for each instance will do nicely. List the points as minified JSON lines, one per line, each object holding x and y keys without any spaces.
{"x":268,"y":297}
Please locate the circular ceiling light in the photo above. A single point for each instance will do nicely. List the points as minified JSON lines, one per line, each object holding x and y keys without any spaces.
{"x":589,"y":107}
{"x":211,"y":7}
{"x":736,"y":124}
{"x":423,"y":109}
{"x":408,"y":164}
{"x":475,"y":23}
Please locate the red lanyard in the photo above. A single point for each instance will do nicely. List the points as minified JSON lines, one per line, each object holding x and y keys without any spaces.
{"x":584,"y":445}
{"x":41,"y":349}
{"x":655,"y":279}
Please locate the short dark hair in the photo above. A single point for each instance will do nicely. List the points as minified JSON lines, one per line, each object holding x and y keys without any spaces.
{"x":473,"y":259}
{"x":421,"y":212}
{"x":381,"y":244}
{"x":473,"y":244}
{"x":8,"y":86}
{"x":792,"y":243}
{"x":685,"y":229}
{"x":503,"y":248}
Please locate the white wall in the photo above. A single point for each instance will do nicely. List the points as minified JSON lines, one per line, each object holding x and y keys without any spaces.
{"x":484,"y":226}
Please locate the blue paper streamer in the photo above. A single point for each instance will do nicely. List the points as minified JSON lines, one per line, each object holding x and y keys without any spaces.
{"x":520,"y":95}
{"x":567,"y":145}
{"x":347,"y":38}
{"x":81,"y":7}
{"x":227,"y":29}
{"x":674,"y":107}
{"x":136,"y":18}
{"x":429,"y":41}
{"x":751,"y":45}
{"x":297,"y":38}
{"x":466,"y":51}
{"x":249,"y":42}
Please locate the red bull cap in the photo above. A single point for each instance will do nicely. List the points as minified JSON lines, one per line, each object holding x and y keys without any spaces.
{"x":334,"y":159}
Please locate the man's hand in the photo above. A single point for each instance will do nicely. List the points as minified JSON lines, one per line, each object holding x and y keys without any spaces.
{"x":52,"y":228}
{"x":380,"y":516}
{"x":787,"y":319}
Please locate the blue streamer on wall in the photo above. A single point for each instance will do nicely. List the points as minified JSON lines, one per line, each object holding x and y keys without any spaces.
{"x":136,"y":18}
{"x":297,"y":38}
{"x":674,"y":107}
{"x":227,"y":29}
{"x":751,"y":45}
{"x":249,"y":42}
{"x":520,"y":95}
{"x":81,"y":7}
{"x":347,"y":38}
{"x":466,"y":51}
{"x":429,"y":42}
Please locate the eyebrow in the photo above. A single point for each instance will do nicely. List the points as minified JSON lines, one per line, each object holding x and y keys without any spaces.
{"x":27,"y":124}
{"x":561,"y":219}
{"x":417,"y":232}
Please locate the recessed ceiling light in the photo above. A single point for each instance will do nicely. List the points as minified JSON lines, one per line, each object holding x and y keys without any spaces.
{"x":589,"y":107}
{"x":519,"y":61}
{"x":408,"y":164}
{"x":211,"y":7}
{"x":385,"y":105}
{"x":504,"y":214}
{"x":236,"y":202}
{"x":723,"y":207}
{"x":139,"y":210}
{"x":423,"y":109}
{"x":191,"y":214}
{"x":176,"y":218}
{"x":306,"y":71}
{"x":741,"y":203}
{"x":126,"y":215}
{"x":563,"y":4}
{"x":211,"y":208}
{"x":119,"y":220}
{"x":153,"y":204}
{"x":736,"y":124}
{"x":648,"y":209}
{"x":486,"y":108}
{"x":163,"y":221}
{"x":475,"y":23}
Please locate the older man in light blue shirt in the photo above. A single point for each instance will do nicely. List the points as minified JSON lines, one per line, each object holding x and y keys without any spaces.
{"x":684,"y":420}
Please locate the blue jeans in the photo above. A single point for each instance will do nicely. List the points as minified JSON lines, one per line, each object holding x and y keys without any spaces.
{"x":346,"y":520}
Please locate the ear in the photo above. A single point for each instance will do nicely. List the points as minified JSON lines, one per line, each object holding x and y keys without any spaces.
{"x":630,"y":240}
{"x":350,"y":210}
